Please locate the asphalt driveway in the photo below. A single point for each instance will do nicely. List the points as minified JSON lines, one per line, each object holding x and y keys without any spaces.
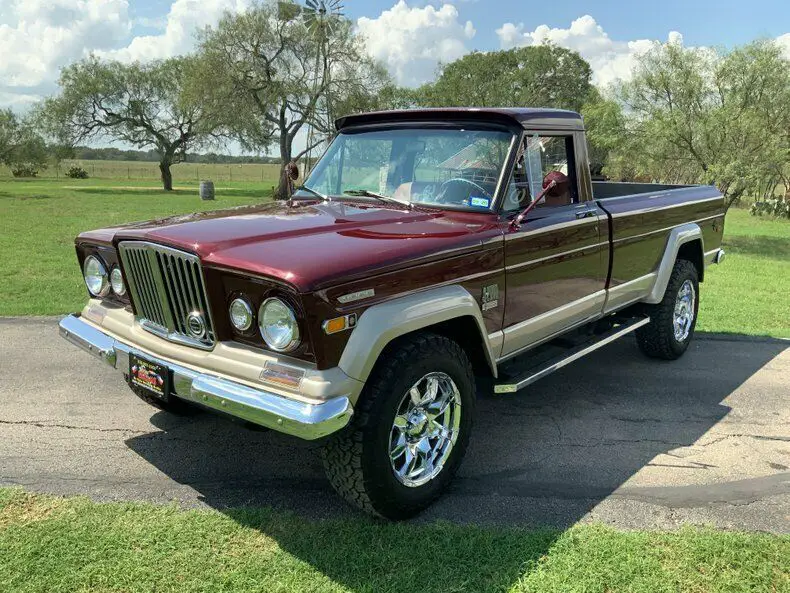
{"x":615,"y":438}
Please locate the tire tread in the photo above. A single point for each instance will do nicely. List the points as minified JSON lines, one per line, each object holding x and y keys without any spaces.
{"x":342,"y":454}
{"x":657,"y":338}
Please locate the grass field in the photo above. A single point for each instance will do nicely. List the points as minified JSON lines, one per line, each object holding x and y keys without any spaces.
{"x":750,"y":292}
{"x":39,"y":218}
{"x":51,"y":545}
{"x":148,"y":171}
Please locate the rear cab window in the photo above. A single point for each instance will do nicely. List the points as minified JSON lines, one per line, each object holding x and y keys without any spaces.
{"x":543,"y":157}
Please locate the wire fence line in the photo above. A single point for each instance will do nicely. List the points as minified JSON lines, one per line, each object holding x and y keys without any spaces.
{"x":149,"y":171}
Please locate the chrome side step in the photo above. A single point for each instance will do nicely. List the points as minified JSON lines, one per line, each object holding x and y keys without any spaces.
{"x":545,"y":368}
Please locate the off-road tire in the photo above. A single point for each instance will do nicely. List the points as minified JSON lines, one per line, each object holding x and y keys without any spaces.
{"x":657,"y":338}
{"x":357,"y":461}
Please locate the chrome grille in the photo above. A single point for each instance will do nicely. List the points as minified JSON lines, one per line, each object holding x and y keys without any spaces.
{"x":167,"y":288}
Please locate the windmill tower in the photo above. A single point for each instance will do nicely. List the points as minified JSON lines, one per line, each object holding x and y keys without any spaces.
{"x":321,"y":18}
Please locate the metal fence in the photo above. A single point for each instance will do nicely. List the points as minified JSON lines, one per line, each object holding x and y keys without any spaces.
{"x":149,"y":171}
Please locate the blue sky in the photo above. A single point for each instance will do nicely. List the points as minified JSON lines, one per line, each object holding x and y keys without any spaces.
{"x":411,"y":37}
{"x":702,"y":22}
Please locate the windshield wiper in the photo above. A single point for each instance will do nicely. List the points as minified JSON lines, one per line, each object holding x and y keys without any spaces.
{"x":310,"y":190}
{"x":371,"y":194}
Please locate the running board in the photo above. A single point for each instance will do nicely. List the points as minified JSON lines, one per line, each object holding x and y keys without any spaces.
{"x":547,"y":367}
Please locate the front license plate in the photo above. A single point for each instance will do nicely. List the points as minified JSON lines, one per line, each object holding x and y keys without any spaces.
{"x":151,"y":376}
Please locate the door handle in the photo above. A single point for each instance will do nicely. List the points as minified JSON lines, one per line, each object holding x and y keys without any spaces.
{"x":585,"y":213}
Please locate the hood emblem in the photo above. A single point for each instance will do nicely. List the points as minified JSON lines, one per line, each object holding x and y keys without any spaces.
{"x":196,"y":325}
{"x":357,"y":296}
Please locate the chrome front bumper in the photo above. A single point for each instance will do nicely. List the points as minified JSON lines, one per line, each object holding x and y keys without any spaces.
{"x":304,"y":420}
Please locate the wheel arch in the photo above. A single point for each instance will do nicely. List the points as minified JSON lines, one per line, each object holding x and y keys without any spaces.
{"x":684,"y":242}
{"x":450,"y":311}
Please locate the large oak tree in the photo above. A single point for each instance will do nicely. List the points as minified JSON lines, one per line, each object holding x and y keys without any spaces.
{"x":270,"y":77}
{"x":143,"y":105}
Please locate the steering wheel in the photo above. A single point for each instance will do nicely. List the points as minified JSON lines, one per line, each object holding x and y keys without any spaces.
{"x":441,"y":194}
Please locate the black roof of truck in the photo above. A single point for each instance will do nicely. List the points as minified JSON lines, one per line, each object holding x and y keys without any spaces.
{"x":526,"y":117}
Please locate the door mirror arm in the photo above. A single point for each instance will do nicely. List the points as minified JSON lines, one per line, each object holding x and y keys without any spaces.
{"x":515,"y":224}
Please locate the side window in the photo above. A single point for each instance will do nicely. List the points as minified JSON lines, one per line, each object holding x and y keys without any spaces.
{"x":542,"y":158}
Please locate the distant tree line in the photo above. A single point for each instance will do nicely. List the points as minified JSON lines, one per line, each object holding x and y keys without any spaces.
{"x":261,"y":78}
{"x":88,"y":153}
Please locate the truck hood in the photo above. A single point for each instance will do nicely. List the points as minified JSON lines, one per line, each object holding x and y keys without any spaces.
{"x":313,"y":245}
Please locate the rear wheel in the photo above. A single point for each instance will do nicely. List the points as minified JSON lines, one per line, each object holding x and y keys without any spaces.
{"x":410,"y":431}
{"x":672,"y":321}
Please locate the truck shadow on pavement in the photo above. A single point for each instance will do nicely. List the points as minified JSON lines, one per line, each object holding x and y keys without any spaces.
{"x":543,"y":458}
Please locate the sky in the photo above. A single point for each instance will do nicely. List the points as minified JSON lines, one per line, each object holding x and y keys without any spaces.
{"x":411,"y":37}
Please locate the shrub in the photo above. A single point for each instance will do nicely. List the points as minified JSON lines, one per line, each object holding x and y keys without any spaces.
{"x":76,"y":172}
{"x":775,"y":207}
{"x":24,"y":170}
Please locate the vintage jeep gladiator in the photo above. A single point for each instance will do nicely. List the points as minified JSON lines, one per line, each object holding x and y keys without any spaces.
{"x":429,"y":256}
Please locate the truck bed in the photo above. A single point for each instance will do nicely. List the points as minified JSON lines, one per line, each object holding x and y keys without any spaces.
{"x":641,"y":217}
{"x":603,"y":190}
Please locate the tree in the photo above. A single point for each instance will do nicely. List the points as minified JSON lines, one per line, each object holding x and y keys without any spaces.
{"x":697,"y":115}
{"x":21,"y":148}
{"x":140,"y":104}
{"x":534,"y":76}
{"x":604,"y":124}
{"x":275,"y":78}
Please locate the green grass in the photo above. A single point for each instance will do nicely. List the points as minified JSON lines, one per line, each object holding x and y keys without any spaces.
{"x":750,"y":292}
{"x":51,"y":544}
{"x":39,"y":219}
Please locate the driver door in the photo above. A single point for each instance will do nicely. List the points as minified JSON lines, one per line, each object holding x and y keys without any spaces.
{"x":556,"y":260}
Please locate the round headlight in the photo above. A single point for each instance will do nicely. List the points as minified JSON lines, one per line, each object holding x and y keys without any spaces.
{"x":95,"y":276}
{"x":278,"y":325}
{"x":116,"y":281}
{"x":240,"y":314}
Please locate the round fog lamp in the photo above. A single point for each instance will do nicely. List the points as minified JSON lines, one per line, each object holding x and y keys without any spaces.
{"x":95,"y":276}
{"x":116,"y":281}
{"x":240,"y":314}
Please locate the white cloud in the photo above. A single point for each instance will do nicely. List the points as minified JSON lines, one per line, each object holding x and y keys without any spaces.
{"x":610,"y":60}
{"x":411,"y":41}
{"x":183,"y":21}
{"x":40,"y":36}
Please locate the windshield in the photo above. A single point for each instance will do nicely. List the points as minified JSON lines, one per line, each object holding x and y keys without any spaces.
{"x":454,"y":167}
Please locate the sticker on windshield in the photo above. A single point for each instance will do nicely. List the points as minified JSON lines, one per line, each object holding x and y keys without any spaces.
{"x":479,"y":202}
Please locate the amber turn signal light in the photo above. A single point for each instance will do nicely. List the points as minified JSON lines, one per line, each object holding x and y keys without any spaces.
{"x":339,"y":324}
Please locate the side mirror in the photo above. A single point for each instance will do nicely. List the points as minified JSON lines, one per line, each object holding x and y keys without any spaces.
{"x":561,"y":183}
{"x":516,"y":222}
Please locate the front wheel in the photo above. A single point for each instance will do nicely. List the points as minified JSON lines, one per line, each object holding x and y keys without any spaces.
{"x":410,"y":432}
{"x":672,"y":321}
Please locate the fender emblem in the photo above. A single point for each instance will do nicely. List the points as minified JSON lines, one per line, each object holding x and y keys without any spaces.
{"x":490,"y":298}
{"x":356,"y":296}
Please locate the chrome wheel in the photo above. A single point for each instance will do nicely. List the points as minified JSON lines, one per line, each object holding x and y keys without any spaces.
{"x":425,"y":429}
{"x":683,"y":318}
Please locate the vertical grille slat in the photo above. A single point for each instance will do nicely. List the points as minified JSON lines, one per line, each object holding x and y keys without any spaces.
{"x":147,"y":299}
{"x":183,"y":306}
{"x":178,"y":315}
{"x":186,"y":282}
{"x":166,"y":286}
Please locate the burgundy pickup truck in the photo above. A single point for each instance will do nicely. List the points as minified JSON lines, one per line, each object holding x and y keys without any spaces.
{"x":430,"y":255}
